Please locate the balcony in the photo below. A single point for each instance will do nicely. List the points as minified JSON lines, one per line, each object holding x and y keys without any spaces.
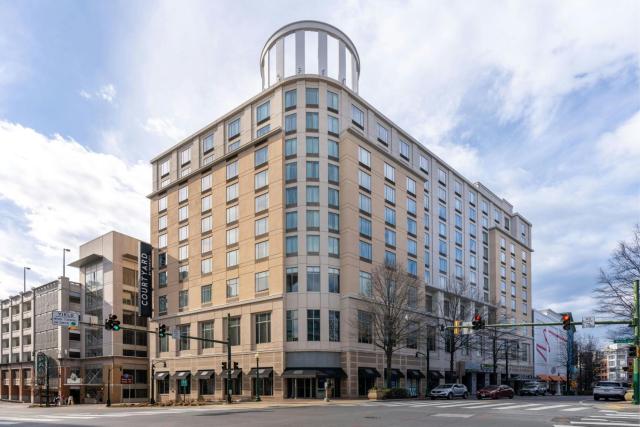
{"x":26,"y":314}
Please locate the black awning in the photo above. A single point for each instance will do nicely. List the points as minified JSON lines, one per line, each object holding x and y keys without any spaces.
{"x":394,"y":373}
{"x":414,"y":373}
{"x":180,"y":375}
{"x":264,"y":372}
{"x":435,"y":375}
{"x":205,"y":374}
{"x":161,"y":375}
{"x":333,"y":372}
{"x":300,"y":373}
{"x":235,"y":373}
{"x":369,"y":372}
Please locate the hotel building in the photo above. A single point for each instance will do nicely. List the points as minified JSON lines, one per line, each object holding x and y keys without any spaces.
{"x":278,"y":212}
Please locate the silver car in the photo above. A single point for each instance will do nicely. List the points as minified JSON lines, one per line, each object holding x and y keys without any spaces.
{"x":449,"y":391}
{"x":609,"y":390}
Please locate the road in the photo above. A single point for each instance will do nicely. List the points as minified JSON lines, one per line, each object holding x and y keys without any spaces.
{"x":521,"y":411}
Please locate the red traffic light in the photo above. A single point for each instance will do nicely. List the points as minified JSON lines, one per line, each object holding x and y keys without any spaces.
{"x":566,"y":321}
{"x":477,"y":322}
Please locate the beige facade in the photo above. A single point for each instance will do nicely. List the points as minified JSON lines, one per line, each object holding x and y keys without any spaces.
{"x":278,"y":218}
{"x":16,"y":366}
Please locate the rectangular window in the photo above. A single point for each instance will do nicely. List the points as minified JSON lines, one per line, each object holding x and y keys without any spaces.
{"x":424,"y":164}
{"x":313,"y":244}
{"x":183,"y":299}
{"x":290,"y":123}
{"x":383,"y":134}
{"x":205,"y":294}
{"x":162,"y":241}
{"x":291,"y":245}
{"x":313,"y":220}
{"x":206,"y":224}
{"x":263,"y":328}
{"x":205,"y":266}
{"x":334,"y":326}
{"x":332,"y":101}
{"x":333,"y":248}
{"x":333,"y":172}
{"x":262,"y":202}
{"x":390,"y":194}
{"x":165,"y":168}
{"x":389,"y":216}
{"x":389,"y":258}
{"x":205,"y":245}
{"x":311,"y":96}
{"x":313,"y":325}
{"x":389,"y":172}
{"x":162,"y":203}
{"x":405,"y":150}
{"x":205,"y":203}
{"x":334,"y":280}
{"x":262,"y":112}
{"x":291,"y":171}
{"x":292,"y":279}
{"x":364,"y":157}
{"x":232,"y":170}
{"x":162,"y":305}
{"x":183,"y":233}
{"x":365,"y":284}
{"x":357,"y":116}
{"x":313,"y":279}
{"x":365,"y":327}
{"x":233,"y":235}
{"x":290,"y":99}
{"x":206,"y":331}
{"x":232,"y":192}
{"x":183,"y":213}
{"x":261,"y":179}
{"x":233,"y":128}
{"x":364,"y":180}
{"x":232,"y":288}
{"x":183,"y":252}
{"x":333,"y":125}
{"x":262,"y":250}
{"x":313,"y":195}
{"x":442,"y":176}
{"x":313,"y":170}
{"x":207,"y":143}
{"x":333,"y":197}
{"x":313,"y":146}
{"x":183,"y":194}
{"x":262,"y":281}
{"x":364,"y":203}
{"x":412,"y":208}
{"x":234,"y":330}
{"x":185,"y":156}
{"x":389,"y":237}
{"x":292,"y":325}
{"x":232,"y":258}
{"x":365,"y":251}
{"x":184,"y":341}
{"x":261,"y":226}
{"x":312,"y":122}
{"x":333,"y":149}
{"x":291,"y":221}
{"x":183,"y":273}
{"x":365,"y":227}
{"x":290,"y":147}
{"x":261,"y":156}
{"x":162,"y":279}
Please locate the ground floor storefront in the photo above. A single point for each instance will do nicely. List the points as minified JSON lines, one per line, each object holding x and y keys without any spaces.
{"x":16,"y":382}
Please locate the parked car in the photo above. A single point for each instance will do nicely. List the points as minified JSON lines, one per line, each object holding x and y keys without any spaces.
{"x":495,"y":392}
{"x":609,"y":390}
{"x":449,"y":391}
{"x":534,"y":388}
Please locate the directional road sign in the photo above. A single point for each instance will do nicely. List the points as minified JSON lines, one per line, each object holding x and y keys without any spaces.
{"x":65,"y":318}
{"x":589,"y":322}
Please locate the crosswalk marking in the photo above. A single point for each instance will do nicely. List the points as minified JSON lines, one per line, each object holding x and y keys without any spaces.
{"x":454,"y":415}
{"x":580,"y":408}
{"x":546,"y":407}
{"x":518,"y":406}
{"x":606,"y":423}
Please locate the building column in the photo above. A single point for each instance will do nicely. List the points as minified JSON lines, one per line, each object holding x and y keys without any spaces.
{"x":20,"y":385}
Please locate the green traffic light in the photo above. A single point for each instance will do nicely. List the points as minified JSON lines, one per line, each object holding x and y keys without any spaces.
{"x":116,"y":327}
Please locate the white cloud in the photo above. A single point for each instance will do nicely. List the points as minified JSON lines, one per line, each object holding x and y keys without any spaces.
{"x":105,"y":93}
{"x":164,"y":127}
{"x":65,"y":195}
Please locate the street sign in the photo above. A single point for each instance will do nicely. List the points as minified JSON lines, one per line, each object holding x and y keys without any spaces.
{"x":175,"y":334}
{"x":65,"y":318}
{"x":41,"y":365}
{"x":126,"y":379}
{"x":623,"y":341}
{"x":588,"y":322}
{"x":183,"y":382}
{"x":467,"y":330}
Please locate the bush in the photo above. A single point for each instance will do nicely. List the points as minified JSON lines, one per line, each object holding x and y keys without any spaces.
{"x":395,"y":393}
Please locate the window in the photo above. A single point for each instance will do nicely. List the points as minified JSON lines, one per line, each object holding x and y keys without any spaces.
{"x":442,"y":229}
{"x":313,"y":325}
{"x":162,"y":203}
{"x":162,"y":222}
{"x":412,"y":247}
{"x":412,"y":208}
{"x":333,"y":125}
{"x":205,"y":266}
{"x":442,"y":212}
{"x":183,"y":213}
{"x":183,"y":233}
{"x":183,"y":273}
{"x":206,"y":331}
{"x":411,"y":186}
{"x":334,"y":326}
{"x":233,"y":235}
{"x":263,"y":131}
{"x":333,"y":172}
{"x":262,"y":281}
{"x":183,"y":252}
{"x":364,"y":203}
{"x":261,"y":226}
{"x":262,"y":250}
{"x":389,"y":237}
{"x":390,"y":194}
{"x":290,"y":99}
{"x":262,"y":112}
{"x":389,"y":172}
{"x":261,"y":156}
{"x":232,"y":258}
{"x":262,"y":202}
{"x":424,"y":164}
{"x":232,"y":288}
{"x":162,"y":241}
{"x":291,"y":171}
{"x":261,"y":179}
{"x":313,"y":244}
{"x":291,"y":196}
{"x":291,"y":221}
{"x":333,"y":197}
{"x":357,"y":116}
{"x":205,"y":245}
{"x":389,"y":258}
{"x":292,"y":325}
{"x":234,"y":330}
{"x":311,"y":96}
{"x":364,"y":180}
{"x":162,"y":305}
{"x":233,"y":128}
{"x":162,"y":279}
{"x":184,"y":343}
{"x":457,"y":187}
{"x":207,"y":143}
{"x":333,"y":246}
{"x":364,"y":157}
{"x":442,"y":176}
{"x":205,"y":294}
{"x":263,"y":328}
{"x":313,"y":195}
{"x":332,"y":101}
{"x":365,"y":251}
{"x":389,"y":216}
{"x":443,"y":265}
{"x":458,"y":221}
{"x":183,"y":299}
{"x":165,"y":168}
{"x":404,"y":150}
{"x":333,"y":149}
{"x":383,"y":134}
{"x":205,"y":203}
{"x":290,"y":147}
{"x":365,"y":327}
{"x":313,"y":219}
{"x":365,"y":227}
{"x":313,"y":170}
{"x":313,"y":279}
{"x":206,"y":224}
{"x":292,"y":279}
{"x":312,"y":122}
{"x":291,"y":245}
{"x":313,"y":146}
{"x":290,"y":124}
{"x":334,"y":280}
{"x":412,"y":267}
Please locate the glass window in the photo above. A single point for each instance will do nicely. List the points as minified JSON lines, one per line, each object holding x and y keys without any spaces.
{"x":183,"y":233}
{"x":290,"y":147}
{"x":206,"y":331}
{"x":389,"y":237}
{"x":232,"y":288}
{"x":313,"y":325}
{"x":313,"y":194}
{"x":332,"y":101}
{"x":411,"y":206}
{"x":389,"y":194}
{"x":333,"y":125}
{"x":292,"y":325}
{"x":312,"y":121}
{"x":261,"y":179}
{"x":389,"y":172}
{"x":232,"y":236}
{"x":313,"y":219}
{"x":364,"y":203}
{"x":162,"y":203}
{"x":333,"y":197}
{"x":411,"y":186}
{"x":165,"y":168}
{"x":183,"y":252}
{"x":162,"y":304}
{"x":291,"y":245}
{"x":333,"y":173}
{"x":364,"y":156}
{"x":383,"y":134}
{"x":232,"y":192}
{"x":205,"y":245}
{"x":263,"y":328}
{"x":233,"y":128}
{"x":365,"y":284}
{"x":261,"y":226}
{"x":162,"y":241}
{"x":365,"y":250}
{"x":334,"y":326}
{"x":311,"y":96}
{"x":365,"y":227}
{"x":232,"y":258}
{"x":262,"y":281}
{"x":183,"y":213}
{"x":333,"y":246}
{"x":206,"y":182}
{"x":184,"y":343}
{"x":357,"y":116}
{"x":424,"y":163}
{"x":389,"y":258}
{"x":162,"y":279}
{"x":442,"y":176}
{"x":389,"y":216}
{"x":364,"y":180}
{"x":291,"y":171}
{"x":333,"y":149}
{"x":404,"y":150}
{"x":290,"y":123}
{"x":234,"y":330}
{"x":412,"y":247}
{"x":291,"y":221}
{"x":262,"y":112}
{"x":183,"y":194}
{"x":232,"y":214}
{"x":183,"y":299}
{"x":290,"y":99}
{"x":291,"y":196}
{"x":232,"y":170}
{"x":313,"y":279}
{"x":292,"y":279}
{"x":313,"y":146}
{"x":261,"y":156}
{"x":334,"y":280}
{"x":262,"y":202}
{"x":185,"y":156}
{"x":313,"y":170}
{"x":205,"y":203}
{"x":205,"y":294}
{"x":262,"y":249}
{"x":313,"y":244}
{"x":365,"y":327}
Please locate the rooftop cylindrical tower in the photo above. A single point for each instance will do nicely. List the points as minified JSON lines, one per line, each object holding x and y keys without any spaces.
{"x":310,"y":47}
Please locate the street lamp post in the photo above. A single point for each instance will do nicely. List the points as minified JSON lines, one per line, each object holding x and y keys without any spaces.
{"x":257,"y":377}
{"x":427,"y":356}
{"x":64,"y":252}
{"x":153,"y":380}
{"x":24,"y":279}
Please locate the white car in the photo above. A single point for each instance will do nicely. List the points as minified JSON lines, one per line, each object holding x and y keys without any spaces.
{"x":449,"y":391}
{"x":609,"y":390}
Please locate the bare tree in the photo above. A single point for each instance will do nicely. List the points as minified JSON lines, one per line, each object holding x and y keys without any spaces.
{"x":615,"y":283}
{"x":587,"y":359}
{"x":392,"y":307}
{"x":459,"y":298}
{"x":495,"y":341}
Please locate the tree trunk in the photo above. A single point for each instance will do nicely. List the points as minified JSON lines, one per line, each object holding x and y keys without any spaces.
{"x":495,"y":357}
{"x":451,"y":357}
{"x":387,"y":379}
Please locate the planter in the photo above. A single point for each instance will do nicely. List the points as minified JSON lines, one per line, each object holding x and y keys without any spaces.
{"x":375,"y":394}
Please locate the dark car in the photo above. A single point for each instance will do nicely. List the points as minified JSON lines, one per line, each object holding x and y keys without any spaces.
{"x":495,"y":392}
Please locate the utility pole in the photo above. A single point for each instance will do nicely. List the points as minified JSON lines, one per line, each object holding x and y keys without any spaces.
{"x":506,"y":359}
{"x":229,"y":387}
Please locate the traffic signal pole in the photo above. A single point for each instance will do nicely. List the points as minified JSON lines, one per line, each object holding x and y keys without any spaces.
{"x":636,"y":360}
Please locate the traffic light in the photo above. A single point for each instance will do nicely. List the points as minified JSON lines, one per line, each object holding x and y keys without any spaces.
{"x":235,"y":366}
{"x":112,"y":323}
{"x":456,"y":327}
{"x":162,"y":331}
{"x":224,"y":366}
{"x":566,"y":321}
{"x":477,"y":322}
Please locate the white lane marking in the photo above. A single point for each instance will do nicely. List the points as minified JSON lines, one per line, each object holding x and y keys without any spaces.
{"x":606,"y":423}
{"x":573,"y":409}
{"x":546,"y":407}
{"x":518,"y":406}
{"x":453,"y":415}
{"x":458,"y":404}
{"x":495,"y":405}
{"x":620,"y":415}
{"x":7,"y":423}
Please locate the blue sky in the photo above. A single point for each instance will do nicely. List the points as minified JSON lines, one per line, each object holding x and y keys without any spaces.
{"x":540,"y":101}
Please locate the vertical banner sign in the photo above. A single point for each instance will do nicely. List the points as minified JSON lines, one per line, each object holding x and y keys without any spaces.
{"x":145,"y":289}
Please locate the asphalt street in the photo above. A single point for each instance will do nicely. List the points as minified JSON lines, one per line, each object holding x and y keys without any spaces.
{"x":521,"y":411}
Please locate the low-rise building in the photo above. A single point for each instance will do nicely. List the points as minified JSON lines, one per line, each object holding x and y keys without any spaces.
{"x":618,"y":363}
{"x":550,"y":353}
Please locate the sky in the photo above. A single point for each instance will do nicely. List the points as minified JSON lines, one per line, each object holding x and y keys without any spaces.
{"x":539,"y":101}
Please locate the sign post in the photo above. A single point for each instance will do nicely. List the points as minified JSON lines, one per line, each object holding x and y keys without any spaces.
{"x":127,"y":379}
{"x":65,"y":318}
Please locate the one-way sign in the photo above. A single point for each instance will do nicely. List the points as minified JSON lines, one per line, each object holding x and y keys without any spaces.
{"x":588,"y":322}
